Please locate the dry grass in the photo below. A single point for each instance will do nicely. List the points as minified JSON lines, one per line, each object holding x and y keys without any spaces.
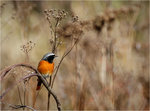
{"x":103,"y":61}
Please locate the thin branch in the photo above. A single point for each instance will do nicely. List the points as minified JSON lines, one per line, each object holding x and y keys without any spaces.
{"x":65,"y":54}
{"x":36,"y":73}
{"x":4,"y":72}
{"x":48,"y":104}
{"x":24,"y":94}
{"x":22,"y":79}
{"x":19,"y":106}
{"x":55,"y":37}
{"x":19,"y":93}
{"x":53,"y":50}
{"x":37,"y":96}
{"x":50,"y":91}
{"x":52,"y":82}
{"x":50,"y":24}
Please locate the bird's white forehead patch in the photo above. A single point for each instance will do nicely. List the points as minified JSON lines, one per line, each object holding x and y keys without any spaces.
{"x":48,"y":54}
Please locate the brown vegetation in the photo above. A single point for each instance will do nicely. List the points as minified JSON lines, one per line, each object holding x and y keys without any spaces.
{"x":103,"y":55}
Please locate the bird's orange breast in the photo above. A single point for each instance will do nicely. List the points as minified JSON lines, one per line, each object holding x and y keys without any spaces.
{"x":45,"y":67}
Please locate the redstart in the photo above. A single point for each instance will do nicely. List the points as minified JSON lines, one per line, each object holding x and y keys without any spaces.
{"x":46,"y":67}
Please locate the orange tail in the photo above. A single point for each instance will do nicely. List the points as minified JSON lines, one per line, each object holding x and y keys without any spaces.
{"x":38,"y":85}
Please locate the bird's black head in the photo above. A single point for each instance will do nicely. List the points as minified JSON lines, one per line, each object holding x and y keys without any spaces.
{"x":49,"y":57}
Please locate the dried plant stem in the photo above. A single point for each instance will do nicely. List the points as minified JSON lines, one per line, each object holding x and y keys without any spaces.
{"x":36,"y":73}
{"x":4,"y":72}
{"x":24,"y":95}
{"x":55,"y":37}
{"x":57,"y":16}
{"x":65,"y":54}
{"x":50,"y":91}
{"x":22,"y":79}
{"x":53,"y":50}
{"x":36,"y":97}
{"x":111,"y":54}
{"x":27,"y":57}
{"x":19,"y":93}
{"x":19,"y":106}
{"x":48,"y":104}
{"x":52,"y":81}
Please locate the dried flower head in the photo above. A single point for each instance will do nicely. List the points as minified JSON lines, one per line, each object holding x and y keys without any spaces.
{"x":54,"y":17}
{"x":75,"y":18}
{"x":55,"y":14}
{"x":2,"y":5}
{"x":26,"y":48}
{"x":71,"y":30}
{"x":98,"y":23}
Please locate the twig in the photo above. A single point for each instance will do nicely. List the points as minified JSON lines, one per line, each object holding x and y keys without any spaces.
{"x":65,"y":54}
{"x":48,"y":104}
{"x":53,"y":51}
{"x":50,"y":91}
{"x":22,"y":79}
{"x":24,"y":94}
{"x":36,"y":96}
{"x":36,"y":73}
{"x":18,"y":106}
{"x":19,"y":93}
{"x":55,"y":37}
{"x":5,"y":71}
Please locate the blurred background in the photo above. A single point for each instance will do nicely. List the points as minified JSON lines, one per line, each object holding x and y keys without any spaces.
{"x":108,"y":68}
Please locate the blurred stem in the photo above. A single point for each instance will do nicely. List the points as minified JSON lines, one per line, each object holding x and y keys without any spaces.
{"x":19,"y":93}
{"x":36,"y":73}
{"x":55,"y":37}
{"x":18,"y":106}
{"x":36,"y":97}
{"x":48,"y":103}
{"x":19,"y":96}
{"x":65,"y":54}
{"x":24,"y":95}
{"x":53,"y":50}
{"x":77,"y":91}
{"x":111,"y":72}
{"x":27,"y":56}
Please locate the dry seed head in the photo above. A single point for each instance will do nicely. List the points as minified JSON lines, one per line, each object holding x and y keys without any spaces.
{"x":55,"y":14}
{"x":51,"y":41}
{"x":27,"y":47}
{"x":110,"y":15}
{"x":71,"y":30}
{"x":2,"y":5}
{"x":75,"y":18}
{"x":98,"y":23}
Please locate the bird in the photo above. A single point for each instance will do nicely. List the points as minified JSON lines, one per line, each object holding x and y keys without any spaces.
{"x":45,"y":67}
